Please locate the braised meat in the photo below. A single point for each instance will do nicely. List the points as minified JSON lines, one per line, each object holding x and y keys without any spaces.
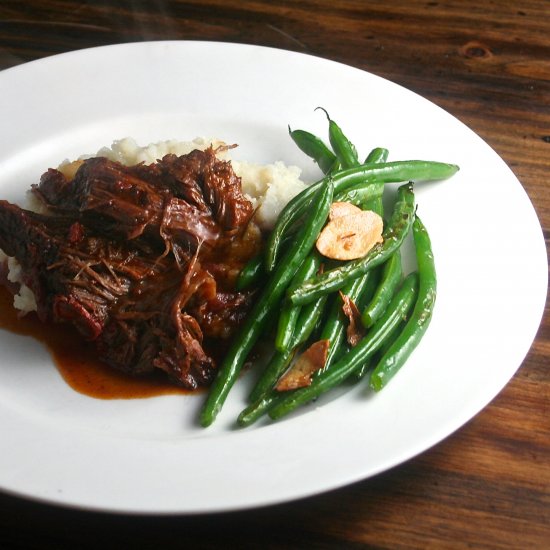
{"x":142,"y":259}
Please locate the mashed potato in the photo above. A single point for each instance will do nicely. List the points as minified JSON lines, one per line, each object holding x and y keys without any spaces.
{"x":24,"y":300}
{"x":268,"y":187}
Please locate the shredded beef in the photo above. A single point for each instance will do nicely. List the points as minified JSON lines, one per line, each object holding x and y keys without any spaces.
{"x":142,"y":259}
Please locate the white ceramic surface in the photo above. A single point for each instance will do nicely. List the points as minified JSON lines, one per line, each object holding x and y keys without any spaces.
{"x":149,"y":455}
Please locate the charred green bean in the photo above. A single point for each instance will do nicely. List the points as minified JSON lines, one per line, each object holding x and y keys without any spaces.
{"x":392,"y":273}
{"x":421,"y":316}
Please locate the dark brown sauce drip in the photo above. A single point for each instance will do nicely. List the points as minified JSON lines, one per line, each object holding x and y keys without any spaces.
{"x":76,"y":359}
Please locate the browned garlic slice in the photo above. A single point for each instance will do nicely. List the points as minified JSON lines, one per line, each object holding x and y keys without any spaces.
{"x":300,"y":373}
{"x":350,"y":236}
{"x":355,"y":330}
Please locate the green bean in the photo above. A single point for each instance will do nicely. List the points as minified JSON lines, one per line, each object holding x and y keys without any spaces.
{"x":402,"y":302}
{"x":376,"y":205}
{"x":333,"y":330}
{"x":393,"y":236}
{"x":378,"y":154}
{"x":315,"y":148}
{"x":263,"y":396}
{"x":258,"y":408}
{"x":388,"y":172}
{"x":421,"y":316}
{"x":367,"y":367}
{"x":360,"y":194}
{"x":289,"y":312}
{"x":307,"y":321}
{"x":392,"y":274}
{"x":263,"y":309}
{"x":343,"y":148}
{"x":277,"y":364}
{"x":251,"y":273}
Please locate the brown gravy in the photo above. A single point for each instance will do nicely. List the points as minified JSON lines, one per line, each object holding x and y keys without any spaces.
{"x":76,"y":360}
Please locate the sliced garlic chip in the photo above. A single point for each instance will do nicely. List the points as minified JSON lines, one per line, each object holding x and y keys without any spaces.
{"x":300,"y":373}
{"x":350,"y":236}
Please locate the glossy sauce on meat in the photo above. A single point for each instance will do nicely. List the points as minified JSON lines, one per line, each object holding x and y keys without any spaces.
{"x":77,"y":361}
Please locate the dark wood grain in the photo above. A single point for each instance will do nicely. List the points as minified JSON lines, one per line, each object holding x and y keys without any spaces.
{"x":487,"y":63}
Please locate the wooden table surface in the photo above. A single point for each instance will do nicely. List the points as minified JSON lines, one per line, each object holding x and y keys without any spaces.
{"x":487,"y":63}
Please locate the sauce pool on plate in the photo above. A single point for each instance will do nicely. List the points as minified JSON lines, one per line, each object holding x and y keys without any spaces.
{"x":76,"y":361}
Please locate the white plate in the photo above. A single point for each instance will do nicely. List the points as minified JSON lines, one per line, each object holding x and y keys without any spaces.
{"x":149,"y":456}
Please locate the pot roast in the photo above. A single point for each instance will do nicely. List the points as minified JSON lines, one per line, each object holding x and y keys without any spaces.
{"x":142,"y":260}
